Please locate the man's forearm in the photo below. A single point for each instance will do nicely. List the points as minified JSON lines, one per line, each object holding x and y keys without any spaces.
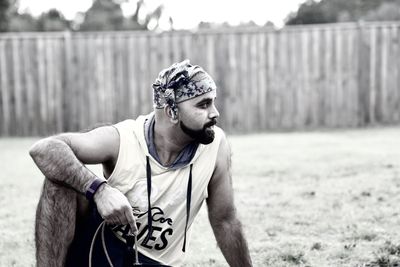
{"x":58,"y":163}
{"x":232,"y":243}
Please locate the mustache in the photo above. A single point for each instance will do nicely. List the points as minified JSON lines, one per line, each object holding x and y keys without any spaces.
{"x":210,"y":123}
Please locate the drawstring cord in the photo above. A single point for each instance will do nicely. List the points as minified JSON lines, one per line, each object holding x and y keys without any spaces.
{"x":102,"y":226}
{"x":131,"y":242}
{"x":149,"y":217}
{"x":188,"y":200}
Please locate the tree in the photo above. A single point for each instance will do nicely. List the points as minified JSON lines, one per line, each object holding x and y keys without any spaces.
{"x":106,"y":15}
{"x":330,"y":11}
{"x":103,"y":15}
{"x":23,"y":22}
{"x":387,"y":11}
{"x":309,"y":12}
{"x":4,"y":15}
{"x":150,"y":20}
{"x":52,"y":20}
{"x":11,"y":19}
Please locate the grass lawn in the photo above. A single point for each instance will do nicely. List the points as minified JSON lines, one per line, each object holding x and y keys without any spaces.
{"x":326,"y":198}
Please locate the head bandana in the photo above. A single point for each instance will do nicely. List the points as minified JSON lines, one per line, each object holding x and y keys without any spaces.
{"x":180,"y":82}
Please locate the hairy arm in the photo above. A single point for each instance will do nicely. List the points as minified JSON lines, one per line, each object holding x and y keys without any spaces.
{"x":61,"y":159}
{"x":222,"y":213}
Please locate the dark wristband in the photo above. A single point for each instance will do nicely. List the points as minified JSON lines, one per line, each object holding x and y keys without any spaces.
{"x":94,"y":187}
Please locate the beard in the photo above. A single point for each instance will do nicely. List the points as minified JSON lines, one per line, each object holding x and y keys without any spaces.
{"x":204,"y":136}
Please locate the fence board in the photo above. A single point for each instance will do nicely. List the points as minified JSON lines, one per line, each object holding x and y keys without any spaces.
{"x":30,"y":126}
{"x":336,"y":75}
{"x":271,"y":83}
{"x":315,"y":74}
{"x":58,"y":85}
{"x":17,"y":92}
{"x":397,"y":67}
{"x":253,"y":116}
{"x":261,"y":83}
{"x":384,"y":74}
{"x":133,"y":88}
{"x":330,"y":72}
{"x":305,"y":77}
{"x":393,"y":73}
{"x":373,"y":77}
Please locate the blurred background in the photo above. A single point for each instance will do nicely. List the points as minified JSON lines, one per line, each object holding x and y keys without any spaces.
{"x":308,"y":90}
{"x":290,"y":65}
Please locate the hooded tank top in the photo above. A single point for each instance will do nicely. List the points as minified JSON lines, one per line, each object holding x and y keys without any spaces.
{"x":169,"y":192}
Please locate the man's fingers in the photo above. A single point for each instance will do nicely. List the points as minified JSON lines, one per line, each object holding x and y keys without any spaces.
{"x":112,"y":219}
{"x":120,"y":216}
{"x":117,"y":210}
{"x":131,"y":221}
{"x":109,"y":221}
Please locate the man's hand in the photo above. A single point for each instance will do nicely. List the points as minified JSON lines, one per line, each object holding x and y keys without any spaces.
{"x":114,"y":207}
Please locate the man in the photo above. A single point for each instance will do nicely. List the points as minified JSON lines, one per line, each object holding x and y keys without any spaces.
{"x":157,"y":169}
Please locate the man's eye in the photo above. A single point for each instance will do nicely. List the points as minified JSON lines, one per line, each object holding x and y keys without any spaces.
{"x":204,"y":105}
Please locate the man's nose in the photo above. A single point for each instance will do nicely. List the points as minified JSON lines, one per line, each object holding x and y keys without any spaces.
{"x":214,"y":112}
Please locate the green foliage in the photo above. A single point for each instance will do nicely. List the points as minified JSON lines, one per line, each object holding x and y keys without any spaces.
{"x":15,"y":21}
{"x":150,"y":20}
{"x":310,"y":12}
{"x":330,"y":11}
{"x":24,"y":22}
{"x":4,"y":17}
{"x":106,"y":15}
{"x":103,"y":15}
{"x":53,"y":20}
{"x":387,"y":11}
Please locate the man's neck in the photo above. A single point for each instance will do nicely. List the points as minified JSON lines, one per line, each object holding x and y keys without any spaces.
{"x":169,"y":141}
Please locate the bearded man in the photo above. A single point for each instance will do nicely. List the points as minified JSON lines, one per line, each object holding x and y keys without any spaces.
{"x":158,"y":170}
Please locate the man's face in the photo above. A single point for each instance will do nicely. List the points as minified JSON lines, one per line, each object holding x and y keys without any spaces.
{"x":197,"y":117}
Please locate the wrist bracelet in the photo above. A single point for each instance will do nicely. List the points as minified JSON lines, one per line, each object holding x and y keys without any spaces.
{"x":94,"y":187}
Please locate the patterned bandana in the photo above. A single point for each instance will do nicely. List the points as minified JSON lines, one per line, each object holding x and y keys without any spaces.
{"x":180,"y":82}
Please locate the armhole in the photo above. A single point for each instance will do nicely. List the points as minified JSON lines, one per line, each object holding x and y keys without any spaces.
{"x":116,"y":167}
{"x":220,"y":135}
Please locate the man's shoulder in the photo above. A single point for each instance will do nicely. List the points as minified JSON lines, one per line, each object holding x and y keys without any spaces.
{"x":220,"y":135}
{"x":219,"y":142}
{"x":124,"y":123}
{"x":224,"y":150}
{"x":133,"y":122}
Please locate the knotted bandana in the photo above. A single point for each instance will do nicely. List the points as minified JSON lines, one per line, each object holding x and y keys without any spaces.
{"x":180,"y":82}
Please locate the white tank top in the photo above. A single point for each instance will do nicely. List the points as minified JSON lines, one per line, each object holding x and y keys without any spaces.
{"x":168,"y":191}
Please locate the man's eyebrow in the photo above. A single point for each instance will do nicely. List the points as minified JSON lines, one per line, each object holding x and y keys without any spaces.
{"x":205,"y":100}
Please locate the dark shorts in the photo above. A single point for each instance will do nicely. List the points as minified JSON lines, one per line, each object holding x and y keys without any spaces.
{"x":120,"y":255}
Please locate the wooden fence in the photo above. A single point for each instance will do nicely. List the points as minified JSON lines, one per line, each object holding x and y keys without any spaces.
{"x":337,"y":75}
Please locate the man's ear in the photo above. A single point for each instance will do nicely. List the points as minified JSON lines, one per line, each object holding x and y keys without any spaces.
{"x":170,"y":114}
